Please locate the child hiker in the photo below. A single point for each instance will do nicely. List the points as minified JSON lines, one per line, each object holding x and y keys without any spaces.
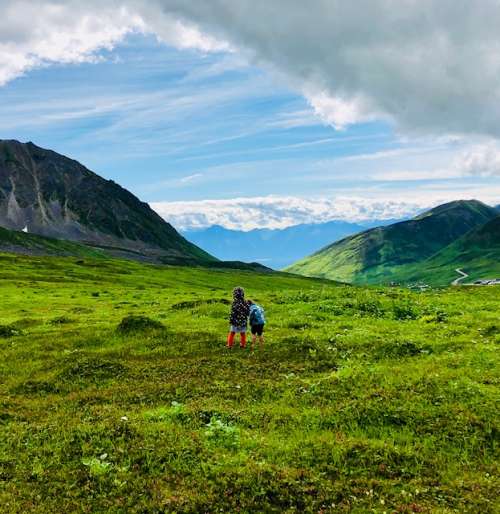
{"x":257,"y":322}
{"x":238,"y":318}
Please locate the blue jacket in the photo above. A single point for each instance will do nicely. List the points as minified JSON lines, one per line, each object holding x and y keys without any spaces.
{"x":257,"y":316}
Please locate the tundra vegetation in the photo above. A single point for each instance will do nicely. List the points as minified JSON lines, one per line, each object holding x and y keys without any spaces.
{"x":117,"y":393}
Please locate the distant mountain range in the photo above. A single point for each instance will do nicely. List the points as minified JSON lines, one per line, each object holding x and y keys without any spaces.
{"x":47,"y":194}
{"x":431,"y":246}
{"x":275,"y":248}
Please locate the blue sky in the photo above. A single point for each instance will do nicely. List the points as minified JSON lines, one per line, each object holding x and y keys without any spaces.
{"x":180,"y":127}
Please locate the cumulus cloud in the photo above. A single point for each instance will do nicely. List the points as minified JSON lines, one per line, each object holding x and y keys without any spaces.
{"x":479,"y":160}
{"x":281,"y":212}
{"x":35,"y":33}
{"x":429,"y":65}
{"x":337,"y":112}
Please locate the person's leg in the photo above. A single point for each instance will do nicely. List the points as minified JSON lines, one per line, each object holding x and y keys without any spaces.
{"x":230,"y":339}
{"x":243,"y":341}
{"x":254,"y":337}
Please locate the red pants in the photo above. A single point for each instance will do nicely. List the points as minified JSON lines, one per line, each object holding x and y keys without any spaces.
{"x":230,"y":339}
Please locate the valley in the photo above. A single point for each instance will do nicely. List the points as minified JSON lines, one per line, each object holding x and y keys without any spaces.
{"x":117,"y":393}
{"x":249,"y":257}
{"x":429,"y":248}
{"x":275,"y":248}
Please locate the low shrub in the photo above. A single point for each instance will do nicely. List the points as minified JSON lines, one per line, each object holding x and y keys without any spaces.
{"x":222,"y":434}
{"x":398,"y":349}
{"x":405,"y":310}
{"x":9,"y":331}
{"x":92,"y":368}
{"x":131,"y":324}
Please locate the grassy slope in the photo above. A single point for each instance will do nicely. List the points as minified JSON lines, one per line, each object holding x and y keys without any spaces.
{"x":385,"y":254}
{"x":364,"y":400}
{"x":33,"y":244}
{"x":477,"y":253}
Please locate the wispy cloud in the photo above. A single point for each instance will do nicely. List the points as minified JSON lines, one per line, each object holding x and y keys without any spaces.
{"x":190,"y":178}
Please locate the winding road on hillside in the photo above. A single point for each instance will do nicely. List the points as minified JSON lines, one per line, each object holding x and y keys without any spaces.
{"x":462,"y":276}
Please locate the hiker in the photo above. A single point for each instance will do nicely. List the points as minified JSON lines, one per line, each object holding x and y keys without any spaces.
{"x":257,"y":322}
{"x":238,"y":318}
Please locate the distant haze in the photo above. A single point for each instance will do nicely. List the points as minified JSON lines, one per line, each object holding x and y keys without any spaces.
{"x":274,"y":248}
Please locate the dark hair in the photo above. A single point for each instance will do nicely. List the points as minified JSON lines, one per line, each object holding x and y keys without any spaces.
{"x":238,"y":292}
{"x":249,"y":302}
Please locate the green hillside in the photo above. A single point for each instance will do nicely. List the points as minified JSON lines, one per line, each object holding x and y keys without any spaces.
{"x":376,"y":255}
{"x":477,"y":254}
{"x":117,"y":394}
{"x":31,"y":244}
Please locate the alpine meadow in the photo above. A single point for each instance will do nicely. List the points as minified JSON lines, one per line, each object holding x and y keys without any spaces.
{"x":249,"y":257}
{"x":118,"y":395}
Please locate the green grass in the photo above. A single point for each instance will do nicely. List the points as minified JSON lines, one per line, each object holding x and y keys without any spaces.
{"x":427,"y":248}
{"x":34,"y":244}
{"x":363,"y":399}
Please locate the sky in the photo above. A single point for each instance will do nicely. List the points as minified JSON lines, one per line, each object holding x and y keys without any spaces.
{"x":262,"y":114}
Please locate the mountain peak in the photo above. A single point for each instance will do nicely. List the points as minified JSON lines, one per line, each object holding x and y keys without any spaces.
{"x":464,"y":205}
{"x":55,"y":196}
{"x":374,"y":254}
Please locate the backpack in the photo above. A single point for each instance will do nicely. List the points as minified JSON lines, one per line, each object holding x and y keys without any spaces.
{"x":257,"y":315}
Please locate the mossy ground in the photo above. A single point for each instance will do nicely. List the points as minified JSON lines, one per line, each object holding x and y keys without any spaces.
{"x":363,"y":399}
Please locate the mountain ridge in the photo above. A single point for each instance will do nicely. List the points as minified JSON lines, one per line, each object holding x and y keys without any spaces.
{"x":477,"y":253}
{"x":51,"y":195}
{"x":373,"y":256}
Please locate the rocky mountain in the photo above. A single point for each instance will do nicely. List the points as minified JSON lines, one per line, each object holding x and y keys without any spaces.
{"x":379,"y":255}
{"x":276,"y":248}
{"x":47,"y":194}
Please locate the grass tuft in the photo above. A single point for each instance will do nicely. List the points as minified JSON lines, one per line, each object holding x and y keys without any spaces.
{"x":131,"y":324}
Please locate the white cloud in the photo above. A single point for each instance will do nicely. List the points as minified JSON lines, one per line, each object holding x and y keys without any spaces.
{"x":428,"y":65}
{"x":281,"y":212}
{"x":278,"y":212}
{"x":36,"y":33}
{"x":479,"y":160}
{"x":339,"y":112}
{"x":190,"y":178}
